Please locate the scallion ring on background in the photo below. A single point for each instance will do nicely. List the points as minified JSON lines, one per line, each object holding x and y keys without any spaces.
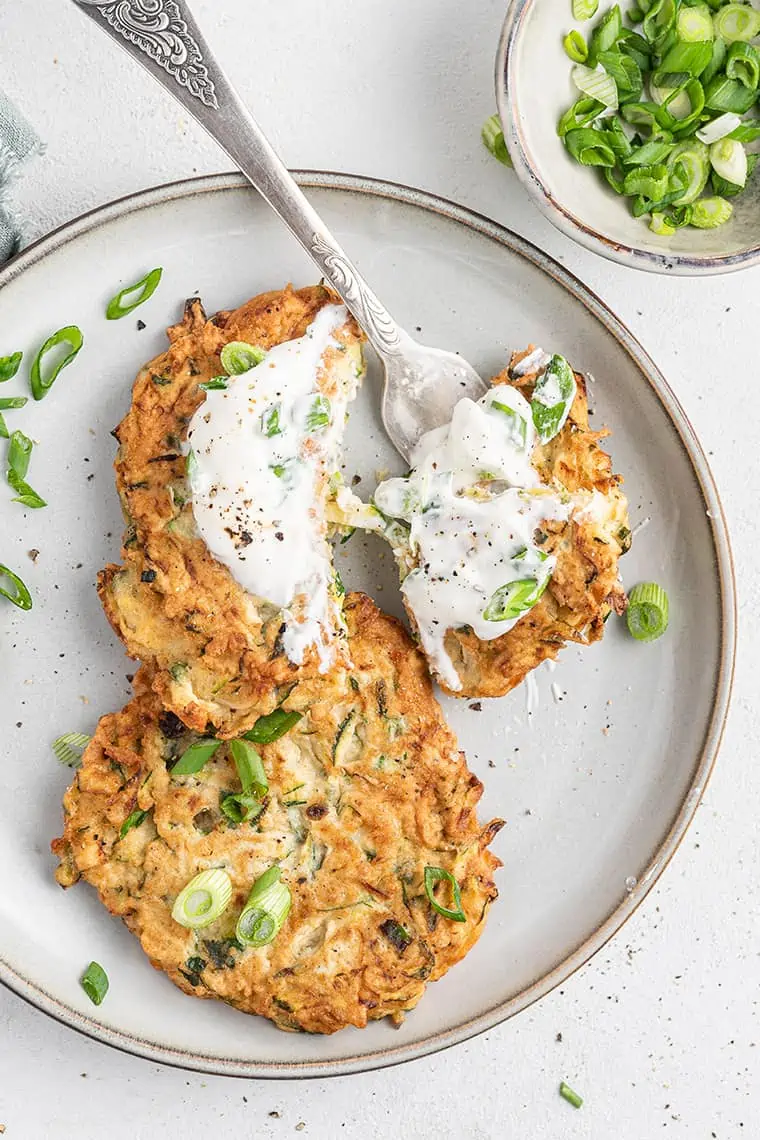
{"x":648,"y":611}
{"x":19,"y":594}
{"x":94,"y":982}
{"x":272,"y":726}
{"x":250,"y":768}
{"x":120,"y":305}
{"x":194,"y":758}
{"x":42,"y":378}
{"x":238,"y":357}
{"x":9,"y":366}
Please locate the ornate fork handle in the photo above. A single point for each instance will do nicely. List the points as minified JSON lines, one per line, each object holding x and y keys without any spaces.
{"x":163,"y":37}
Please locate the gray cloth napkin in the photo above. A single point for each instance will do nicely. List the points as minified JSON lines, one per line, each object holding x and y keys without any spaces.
{"x":18,"y":142}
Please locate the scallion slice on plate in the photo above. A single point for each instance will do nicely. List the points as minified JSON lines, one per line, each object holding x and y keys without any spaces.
{"x":121,"y":305}
{"x":435,"y":875}
{"x":596,"y":84}
{"x":203,"y":900}
{"x":648,"y":611}
{"x":272,"y":726}
{"x":134,"y":819}
{"x":94,"y":982}
{"x":18,"y":592}
{"x":250,"y":768}
{"x":575,"y":46}
{"x":735,"y":22}
{"x":553,"y":397}
{"x":19,"y":453}
{"x":9,"y":366}
{"x":215,"y":384}
{"x":46,"y":371}
{"x":195,"y":757}
{"x":238,"y":357}
{"x":584,"y":9}
{"x":8,"y":402}
{"x":266,"y":910}
{"x":719,"y":128}
{"x":515,"y":598}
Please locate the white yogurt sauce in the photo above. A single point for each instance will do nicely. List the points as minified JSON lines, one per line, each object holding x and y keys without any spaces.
{"x":473,"y":503}
{"x":262,"y":451}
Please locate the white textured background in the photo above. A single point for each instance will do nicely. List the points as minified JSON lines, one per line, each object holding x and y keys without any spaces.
{"x":660,"y":1032}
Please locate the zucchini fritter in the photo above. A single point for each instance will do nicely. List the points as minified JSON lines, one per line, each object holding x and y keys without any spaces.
{"x":364,"y":792}
{"x":217,"y":649}
{"x":585,"y":585}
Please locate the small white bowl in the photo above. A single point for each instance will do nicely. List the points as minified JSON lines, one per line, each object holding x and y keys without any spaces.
{"x":533,"y":89}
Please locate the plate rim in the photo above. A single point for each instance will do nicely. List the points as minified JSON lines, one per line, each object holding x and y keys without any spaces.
{"x":37,"y":996}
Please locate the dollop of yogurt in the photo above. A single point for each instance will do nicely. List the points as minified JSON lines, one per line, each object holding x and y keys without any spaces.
{"x":260,"y":454}
{"x":469,"y":512}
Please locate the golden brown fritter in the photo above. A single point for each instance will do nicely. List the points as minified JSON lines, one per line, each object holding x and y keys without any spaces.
{"x":215,"y":647}
{"x":585,"y":586}
{"x":364,"y":792}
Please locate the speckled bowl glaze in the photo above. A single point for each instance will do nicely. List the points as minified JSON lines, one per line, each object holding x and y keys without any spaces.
{"x":533,"y":88}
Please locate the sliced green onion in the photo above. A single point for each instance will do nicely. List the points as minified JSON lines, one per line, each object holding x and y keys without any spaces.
{"x":726,"y":189}
{"x":640,"y":114}
{"x":434,"y":875}
{"x":575,"y":46}
{"x":719,"y":51}
{"x":119,"y":306}
{"x":241,"y":807}
{"x":41,"y":382}
{"x":250,"y":768}
{"x":492,"y":135}
{"x":693,"y":158}
{"x":70,"y":747}
{"x":709,"y":213}
{"x":571,"y":1097}
{"x":270,"y":421}
{"x":203,"y":900}
{"x":553,"y":396}
{"x":4,"y":433}
{"x":605,"y":34}
{"x":8,"y":402}
{"x":682,"y":107}
{"x":596,"y":85}
{"x":271,"y":727}
{"x":9,"y":366}
{"x":25,"y":494}
{"x":94,"y":982}
{"x":134,"y":819}
{"x":659,"y":21}
{"x":319,"y":414}
{"x":746,"y":133}
{"x":517,"y":424}
{"x":589,"y":147}
{"x":266,"y":910}
{"x":661,"y":225}
{"x":514,"y":599}
{"x":690,"y":59}
{"x":19,"y":594}
{"x":583,"y":112}
{"x":650,"y":154}
{"x":724,"y":94}
{"x":238,"y":357}
{"x":736,"y":22}
{"x":624,"y":70}
{"x":651,"y":181}
{"x":215,"y":384}
{"x":743,"y":63}
{"x":647,"y":614}
{"x":695,"y":24}
{"x":729,"y":159}
{"x":584,"y":9}
{"x":195,"y":757}
{"x":617,"y":139}
{"x":19,"y":453}
{"x":719,"y":128}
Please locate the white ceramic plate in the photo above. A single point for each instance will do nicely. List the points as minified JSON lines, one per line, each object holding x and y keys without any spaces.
{"x":598,"y":788}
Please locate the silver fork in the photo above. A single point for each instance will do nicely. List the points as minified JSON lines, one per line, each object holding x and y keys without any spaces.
{"x":422,"y":384}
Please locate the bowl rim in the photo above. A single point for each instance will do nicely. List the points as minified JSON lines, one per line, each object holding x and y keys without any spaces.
{"x":677,"y":264}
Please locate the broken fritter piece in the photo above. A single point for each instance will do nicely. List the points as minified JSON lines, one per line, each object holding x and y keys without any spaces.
{"x":219,"y":647}
{"x":366,"y":791}
{"x":508,"y":530}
